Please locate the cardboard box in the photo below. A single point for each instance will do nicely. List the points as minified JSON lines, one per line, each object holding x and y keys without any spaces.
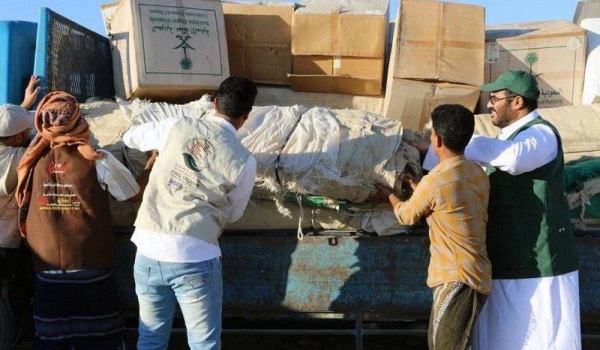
{"x":586,"y":9}
{"x":412,"y":101}
{"x":554,"y":51}
{"x":259,"y":39}
{"x":167,"y":50}
{"x":340,"y":28}
{"x":339,"y":47}
{"x":438,"y":41}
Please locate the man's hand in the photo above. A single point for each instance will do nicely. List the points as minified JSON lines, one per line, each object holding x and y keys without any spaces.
{"x":409,"y":180}
{"x":382,"y":194}
{"x":31,"y":92}
{"x":151,"y":155}
{"x":382,"y":189}
{"x":145,"y":175}
{"x":387,"y":193}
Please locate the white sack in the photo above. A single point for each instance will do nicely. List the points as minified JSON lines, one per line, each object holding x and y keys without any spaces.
{"x":324,"y":152}
{"x":143,"y":111}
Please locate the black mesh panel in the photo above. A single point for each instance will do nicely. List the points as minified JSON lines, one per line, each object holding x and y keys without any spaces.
{"x":78,"y":60}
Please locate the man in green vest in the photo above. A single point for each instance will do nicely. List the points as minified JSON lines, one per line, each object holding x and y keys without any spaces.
{"x":534,"y":302}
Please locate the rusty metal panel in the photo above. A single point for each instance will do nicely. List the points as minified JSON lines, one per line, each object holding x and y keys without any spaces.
{"x":265,"y":274}
{"x":589,"y":276}
{"x":317,"y":274}
{"x":327,"y":274}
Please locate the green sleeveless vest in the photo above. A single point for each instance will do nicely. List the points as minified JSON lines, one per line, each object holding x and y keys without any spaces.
{"x":529,"y":233}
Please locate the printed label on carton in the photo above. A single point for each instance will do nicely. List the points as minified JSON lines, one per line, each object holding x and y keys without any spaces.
{"x":492,"y":53}
{"x":551,"y":98}
{"x":337,"y":62}
{"x":179,"y":40}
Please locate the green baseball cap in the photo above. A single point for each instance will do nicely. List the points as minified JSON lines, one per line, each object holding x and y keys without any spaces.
{"x":517,"y":81}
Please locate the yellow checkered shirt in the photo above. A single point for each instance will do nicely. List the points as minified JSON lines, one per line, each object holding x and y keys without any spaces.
{"x":454,"y":199}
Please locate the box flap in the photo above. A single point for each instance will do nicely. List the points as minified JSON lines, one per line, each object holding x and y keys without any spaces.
{"x":335,"y":84}
{"x":358,"y":7}
{"x":363,"y":67}
{"x":412,"y":101}
{"x":108,"y":11}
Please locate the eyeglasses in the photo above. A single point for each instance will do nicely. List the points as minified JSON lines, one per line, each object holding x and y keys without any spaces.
{"x":494,"y":99}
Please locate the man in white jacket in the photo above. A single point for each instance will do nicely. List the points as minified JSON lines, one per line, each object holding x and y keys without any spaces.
{"x":202,"y":179}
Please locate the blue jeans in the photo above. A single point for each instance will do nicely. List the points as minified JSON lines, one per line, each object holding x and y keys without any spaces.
{"x":198,"y":289}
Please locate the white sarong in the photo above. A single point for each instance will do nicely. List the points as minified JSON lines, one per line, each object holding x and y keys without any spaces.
{"x":531,"y":313}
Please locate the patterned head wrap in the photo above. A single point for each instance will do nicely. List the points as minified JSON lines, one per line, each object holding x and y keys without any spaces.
{"x":59,"y":123}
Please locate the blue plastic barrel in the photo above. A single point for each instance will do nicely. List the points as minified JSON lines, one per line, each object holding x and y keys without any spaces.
{"x":17,"y":54}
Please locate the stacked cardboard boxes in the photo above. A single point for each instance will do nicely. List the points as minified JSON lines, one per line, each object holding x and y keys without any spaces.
{"x":259,"y":41}
{"x":554,"y":51}
{"x":339,"y":47}
{"x":168,"y":50}
{"x":437,"y":57}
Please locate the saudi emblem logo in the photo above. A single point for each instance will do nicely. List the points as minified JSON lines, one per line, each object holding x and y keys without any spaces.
{"x":186,"y":63}
{"x":198,"y":153}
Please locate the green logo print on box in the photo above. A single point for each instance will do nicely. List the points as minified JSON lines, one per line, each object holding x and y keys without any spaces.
{"x":531,"y":59}
{"x":178,"y":39}
{"x":186,"y":63}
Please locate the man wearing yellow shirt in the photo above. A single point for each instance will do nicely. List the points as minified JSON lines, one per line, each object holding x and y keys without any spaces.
{"x":453,"y":198}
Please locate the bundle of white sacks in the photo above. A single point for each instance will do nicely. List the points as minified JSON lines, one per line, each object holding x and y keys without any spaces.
{"x":335,"y":154}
